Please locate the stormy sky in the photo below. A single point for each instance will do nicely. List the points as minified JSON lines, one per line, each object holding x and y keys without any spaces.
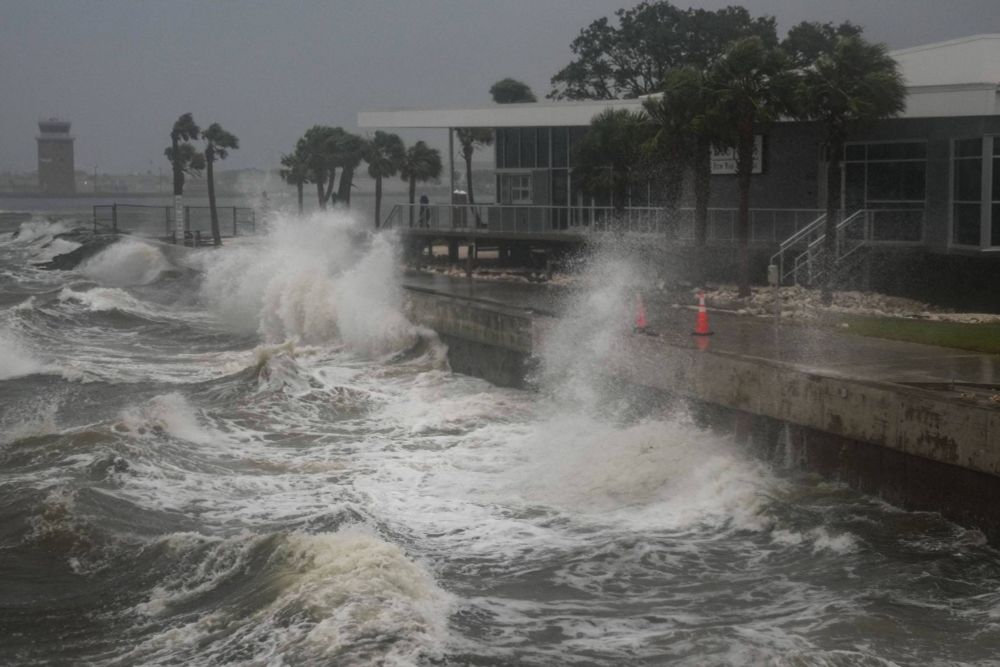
{"x":122,"y":70}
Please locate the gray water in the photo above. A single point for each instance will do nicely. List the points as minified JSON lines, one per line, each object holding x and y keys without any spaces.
{"x":250,"y":457}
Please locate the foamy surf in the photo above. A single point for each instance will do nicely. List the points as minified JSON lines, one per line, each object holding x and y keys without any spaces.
{"x":255,"y":459}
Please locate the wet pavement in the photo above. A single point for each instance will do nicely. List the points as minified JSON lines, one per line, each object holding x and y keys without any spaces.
{"x":812,"y":349}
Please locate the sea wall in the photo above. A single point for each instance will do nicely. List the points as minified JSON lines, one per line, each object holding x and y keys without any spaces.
{"x":914,"y":447}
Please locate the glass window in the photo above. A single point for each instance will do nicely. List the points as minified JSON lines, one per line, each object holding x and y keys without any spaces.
{"x":969,"y":148}
{"x":854,"y":188}
{"x":968,"y":179}
{"x":560,"y":147}
{"x":512,"y":146}
{"x":560,"y":187}
{"x":855,"y":152}
{"x":896,"y":181}
{"x":527,"y":148}
{"x":966,"y":223}
{"x":897,"y":151}
{"x":515,"y":188}
{"x":542,"y":151}
{"x":995,"y":227}
{"x":499,"y":146}
{"x":520,"y":188}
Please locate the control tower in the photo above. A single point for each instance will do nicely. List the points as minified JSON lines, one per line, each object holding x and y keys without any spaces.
{"x":55,"y":157}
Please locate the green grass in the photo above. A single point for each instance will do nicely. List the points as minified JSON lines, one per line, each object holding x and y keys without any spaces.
{"x":973,"y":337}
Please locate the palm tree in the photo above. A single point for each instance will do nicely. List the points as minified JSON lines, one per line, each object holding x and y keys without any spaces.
{"x":385,"y":154}
{"x":420,"y":163}
{"x":295,"y":171}
{"x":348,"y":151}
{"x":184,"y":159}
{"x":317,"y":147}
{"x":218,"y":143}
{"x":469,"y":138}
{"x":752,"y":85}
{"x":686,"y":121}
{"x":611,"y":155}
{"x":846,"y":88}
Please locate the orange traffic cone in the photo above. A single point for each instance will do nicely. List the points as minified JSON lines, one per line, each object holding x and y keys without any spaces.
{"x":640,"y":315}
{"x":701,"y":323}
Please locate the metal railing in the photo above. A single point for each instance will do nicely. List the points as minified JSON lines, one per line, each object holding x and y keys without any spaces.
{"x":767,"y":226}
{"x":802,"y":256}
{"x":158,"y":221}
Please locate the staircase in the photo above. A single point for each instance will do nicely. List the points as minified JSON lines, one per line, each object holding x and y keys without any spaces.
{"x":802,"y":257}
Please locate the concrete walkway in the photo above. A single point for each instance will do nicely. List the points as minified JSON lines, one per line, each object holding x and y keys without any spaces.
{"x":814,"y":350}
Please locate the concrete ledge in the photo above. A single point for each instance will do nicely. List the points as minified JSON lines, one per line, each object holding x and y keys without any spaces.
{"x":916,"y":447}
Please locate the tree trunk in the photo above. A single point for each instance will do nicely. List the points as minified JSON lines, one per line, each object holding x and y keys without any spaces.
{"x":378,"y":201}
{"x":216,"y":234}
{"x":329,"y":187}
{"x":468,"y":180}
{"x":744,"y":170}
{"x":413,"y":196}
{"x":834,"y":150}
{"x":178,"y":191}
{"x":319,"y":195}
{"x":702,"y":190}
{"x":300,"y":187}
{"x":344,"y":189}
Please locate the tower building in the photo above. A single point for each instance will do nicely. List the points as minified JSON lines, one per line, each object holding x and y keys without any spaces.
{"x":55,"y":157}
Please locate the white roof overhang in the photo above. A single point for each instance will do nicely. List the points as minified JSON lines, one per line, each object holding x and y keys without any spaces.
{"x":543,"y":114}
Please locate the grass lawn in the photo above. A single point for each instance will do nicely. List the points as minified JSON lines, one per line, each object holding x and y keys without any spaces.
{"x":974,"y":337}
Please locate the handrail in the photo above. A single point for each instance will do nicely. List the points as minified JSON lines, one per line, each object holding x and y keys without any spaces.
{"x":816,"y":247}
{"x":767,"y":225}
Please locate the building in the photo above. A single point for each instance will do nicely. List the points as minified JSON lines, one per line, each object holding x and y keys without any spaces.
{"x":926,"y":183}
{"x":55,"y":157}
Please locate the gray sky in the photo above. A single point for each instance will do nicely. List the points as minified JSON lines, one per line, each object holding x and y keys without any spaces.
{"x":123,"y":70}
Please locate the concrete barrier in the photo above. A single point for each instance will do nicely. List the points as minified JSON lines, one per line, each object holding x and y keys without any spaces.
{"x":918,"y":448}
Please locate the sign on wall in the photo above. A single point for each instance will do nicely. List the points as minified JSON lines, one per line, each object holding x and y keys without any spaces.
{"x":724,"y":159}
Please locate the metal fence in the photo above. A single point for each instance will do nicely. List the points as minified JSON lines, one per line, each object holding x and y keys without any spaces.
{"x":767,"y":226}
{"x":158,"y":221}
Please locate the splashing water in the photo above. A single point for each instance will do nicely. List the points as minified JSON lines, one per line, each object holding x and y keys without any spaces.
{"x":243,"y":470}
{"x":313,"y":280}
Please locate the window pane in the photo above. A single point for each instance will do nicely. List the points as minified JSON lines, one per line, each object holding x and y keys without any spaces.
{"x":885,"y":181}
{"x":968,"y":180}
{"x":914,"y":181}
{"x":897,"y":151}
{"x":527,"y":147}
{"x":559,"y":147}
{"x":969,"y":148}
{"x":855,"y":152}
{"x":996,"y":179}
{"x":498,"y":146}
{"x":512,"y":148}
{"x":995,"y":224}
{"x":966,"y":224}
{"x":560,"y":187}
{"x":996,"y":145}
{"x":854,"y":192}
{"x":542,"y":150}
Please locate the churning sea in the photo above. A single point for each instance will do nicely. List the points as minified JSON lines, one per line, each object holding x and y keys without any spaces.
{"x":249,"y":456}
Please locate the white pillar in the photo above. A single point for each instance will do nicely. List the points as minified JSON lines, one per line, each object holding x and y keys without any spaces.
{"x":178,"y":220}
{"x":451,"y":164}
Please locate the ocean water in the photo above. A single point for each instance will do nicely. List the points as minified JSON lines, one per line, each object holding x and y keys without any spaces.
{"x":250,"y":457}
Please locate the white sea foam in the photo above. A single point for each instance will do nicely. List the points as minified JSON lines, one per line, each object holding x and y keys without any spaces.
{"x":125,"y":263}
{"x":334,"y":593}
{"x":18,"y":359}
{"x":169,"y":414}
{"x":313,"y":280}
{"x":39,"y":229}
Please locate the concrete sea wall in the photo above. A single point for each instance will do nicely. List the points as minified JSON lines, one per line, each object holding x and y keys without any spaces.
{"x":914,"y":447}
